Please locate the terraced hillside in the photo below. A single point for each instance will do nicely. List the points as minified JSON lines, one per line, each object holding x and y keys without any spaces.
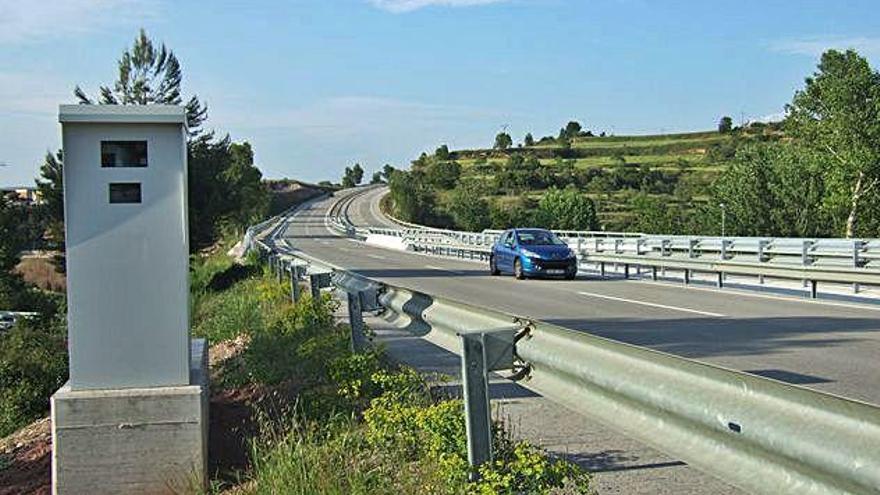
{"x":648,"y":183}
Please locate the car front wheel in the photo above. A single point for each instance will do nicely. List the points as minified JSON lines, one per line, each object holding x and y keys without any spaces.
{"x":517,"y":270}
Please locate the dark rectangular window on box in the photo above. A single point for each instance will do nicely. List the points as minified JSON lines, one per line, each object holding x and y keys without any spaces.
{"x":123,"y":154}
{"x":125,"y":192}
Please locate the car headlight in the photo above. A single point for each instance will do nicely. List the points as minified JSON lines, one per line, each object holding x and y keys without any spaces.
{"x":530,"y":254}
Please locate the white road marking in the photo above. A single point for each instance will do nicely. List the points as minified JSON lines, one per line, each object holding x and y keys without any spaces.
{"x":655,"y":305}
{"x":376,"y":256}
{"x":746,"y":291}
{"x":432,"y":267}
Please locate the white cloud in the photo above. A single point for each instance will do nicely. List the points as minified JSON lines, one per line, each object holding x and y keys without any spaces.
{"x":401,"y":6}
{"x":34,"y":21}
{"x":815,"y":46}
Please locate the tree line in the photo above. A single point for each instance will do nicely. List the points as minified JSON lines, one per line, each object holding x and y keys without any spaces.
{"x":823,"y":180}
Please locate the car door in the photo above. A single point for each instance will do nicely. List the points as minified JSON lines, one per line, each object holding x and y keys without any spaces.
{"x":498,"y":251}
{"x":507,"y":250}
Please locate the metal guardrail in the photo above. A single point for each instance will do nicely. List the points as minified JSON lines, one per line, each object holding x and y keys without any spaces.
{"x":756,"y":433}
{"x":842,"y":261}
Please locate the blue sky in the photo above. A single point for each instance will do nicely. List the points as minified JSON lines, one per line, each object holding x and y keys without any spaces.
{"x":316,"y":85}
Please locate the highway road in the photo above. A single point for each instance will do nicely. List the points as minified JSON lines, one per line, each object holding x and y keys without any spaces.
{"x":828,"y":346}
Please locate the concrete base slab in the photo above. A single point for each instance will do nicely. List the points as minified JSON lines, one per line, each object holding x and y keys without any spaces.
{"x":134,"y":441}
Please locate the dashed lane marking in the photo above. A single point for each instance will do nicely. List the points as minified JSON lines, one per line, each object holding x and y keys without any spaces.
{"x":654,"y":305}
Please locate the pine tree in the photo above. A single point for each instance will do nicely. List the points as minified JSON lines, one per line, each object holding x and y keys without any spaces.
{"x":149,"y":75}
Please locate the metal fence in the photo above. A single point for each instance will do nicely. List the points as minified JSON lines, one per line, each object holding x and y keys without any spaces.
{"x":756,"y":433}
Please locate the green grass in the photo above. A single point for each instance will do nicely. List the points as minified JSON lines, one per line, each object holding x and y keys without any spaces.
{"x":334,"y":422}
{"x":698,"y":140}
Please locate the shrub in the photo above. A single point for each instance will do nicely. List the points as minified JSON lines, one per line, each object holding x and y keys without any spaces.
{"x":33,"y":365}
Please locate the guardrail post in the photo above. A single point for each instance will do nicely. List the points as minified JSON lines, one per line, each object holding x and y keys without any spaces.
{"x":654,"y":273}
{"x":602,"y":269}
{"x":356,"y":320}
{"x":482,"y":352}
{"x":857,"y":248}
{"x":478,"y":421}
{"x":626,"y":270}
{"x":664,"y":247}
{"x":805,"y":253}
{"x":692,"y":245}
{"x":687,"y":276}
{"x":762,"y":243}
{"x":814,"y":289}
{"x":639,"y":244}
{"x":720,"y":282}
{"x":315,"y":285}
{"x":294,"y":283}
{"x":805,"y":259}
{"x":724,"y":244}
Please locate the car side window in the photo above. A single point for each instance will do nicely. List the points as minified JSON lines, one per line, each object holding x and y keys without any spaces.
{"x":508,"y":241}
{"x":503,"y":240}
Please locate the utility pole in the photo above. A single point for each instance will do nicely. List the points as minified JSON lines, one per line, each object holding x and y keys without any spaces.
{"x":723,"y":217}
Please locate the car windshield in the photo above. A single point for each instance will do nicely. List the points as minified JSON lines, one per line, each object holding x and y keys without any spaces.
{"x":538,"y":238}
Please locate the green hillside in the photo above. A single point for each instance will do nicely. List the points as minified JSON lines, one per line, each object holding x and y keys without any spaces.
{"x":626,"y":177}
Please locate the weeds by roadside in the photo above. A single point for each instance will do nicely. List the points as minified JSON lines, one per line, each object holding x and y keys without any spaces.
{"x":325,"y":421}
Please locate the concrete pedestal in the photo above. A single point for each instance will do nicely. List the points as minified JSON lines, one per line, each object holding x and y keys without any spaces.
{"x":135,"y":440}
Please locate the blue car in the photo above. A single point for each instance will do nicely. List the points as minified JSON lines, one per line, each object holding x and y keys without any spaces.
{"x":532,"y":253}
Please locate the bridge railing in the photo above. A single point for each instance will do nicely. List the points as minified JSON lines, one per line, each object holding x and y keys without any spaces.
{"x":758,"y":434}
{"x":839,"y":261}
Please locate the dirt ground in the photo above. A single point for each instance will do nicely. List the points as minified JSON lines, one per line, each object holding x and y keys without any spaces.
{"x":26,"y":460}
{"x":38,"y":270}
